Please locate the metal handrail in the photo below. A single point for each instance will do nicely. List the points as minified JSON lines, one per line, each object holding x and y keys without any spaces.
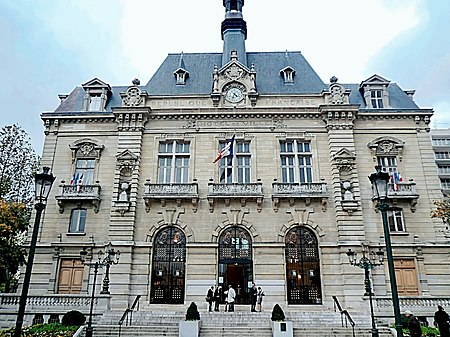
{"x":127,"y":311}
{"x":344,"y":313}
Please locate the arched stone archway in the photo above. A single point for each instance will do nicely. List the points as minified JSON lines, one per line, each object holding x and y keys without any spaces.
{"x":235,"y":262}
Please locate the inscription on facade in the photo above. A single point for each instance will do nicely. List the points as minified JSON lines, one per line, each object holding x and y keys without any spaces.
{"x":234,"y":123}
{"x":182,"y":103}
{"x":291,"y":102}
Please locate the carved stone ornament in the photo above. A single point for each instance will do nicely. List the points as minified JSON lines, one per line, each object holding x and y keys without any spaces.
{"x":386,"y":146}
{"x":86,"y":148}
{"x":344,"y":160}
{"x":337,"y":94}
{"x":234,"y":72}
{"x":132,"y":97}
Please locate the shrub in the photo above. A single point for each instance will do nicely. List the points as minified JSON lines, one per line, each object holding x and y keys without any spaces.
{"x":192,"y":313}
{"x":73,"y":317}
{"x":277,"y":313}
{"x":47,"y":330}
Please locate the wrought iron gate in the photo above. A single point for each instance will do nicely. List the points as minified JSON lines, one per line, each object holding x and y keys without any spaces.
{"x":302,"y":267}
{"x":168,"y":267}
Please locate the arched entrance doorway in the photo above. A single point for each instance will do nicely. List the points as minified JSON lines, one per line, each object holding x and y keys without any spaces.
{"x":235,"y":262}
{"x":302,"y":267}
{"x":168,"y":266}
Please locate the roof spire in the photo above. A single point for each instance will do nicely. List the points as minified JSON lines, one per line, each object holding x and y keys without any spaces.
{"x":234,"y":31}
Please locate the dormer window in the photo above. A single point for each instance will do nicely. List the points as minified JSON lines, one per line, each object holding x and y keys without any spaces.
{"x":97,"y":94}
{"x":376,"y":98}
{"x":181,"y":75}
{"x":375,"y":91}
{"x":288,"y":74}
{"x":95,"y":103}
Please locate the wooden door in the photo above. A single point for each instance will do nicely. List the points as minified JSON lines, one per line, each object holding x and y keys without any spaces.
{"x":70,"y":277}
{"x":406,"y":276}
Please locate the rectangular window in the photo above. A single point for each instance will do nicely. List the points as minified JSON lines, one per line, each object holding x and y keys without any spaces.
{"x":296,"y":161}
{"x":376,"y":98}
{"x":441,"y":141}
{"x":238,"y":167}
{"x":95,"y":103}
{"x":443,"y":169}
{"x":445,"y":184}
{"x":173,"y":162}
{"x":395,"y":219}
{"x":84,"y":171}
{"x":77,"y":221}
{"x":442,"y":155}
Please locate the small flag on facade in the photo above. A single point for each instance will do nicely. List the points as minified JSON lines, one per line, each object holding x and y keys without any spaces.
{"x":79,"y":182}
{"x":227,"y":151}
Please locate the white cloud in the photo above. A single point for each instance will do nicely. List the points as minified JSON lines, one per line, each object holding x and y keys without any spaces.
{"x":337,"y":38}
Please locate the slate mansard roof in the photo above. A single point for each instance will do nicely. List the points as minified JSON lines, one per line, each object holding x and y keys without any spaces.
{"x":269,"y":81}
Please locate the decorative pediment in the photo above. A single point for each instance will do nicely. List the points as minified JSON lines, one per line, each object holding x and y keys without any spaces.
{"x":376,"y":80}
{"x":126,"y":161}
{"x":386,"y":146}
{"x":86,"y":148}
{"x":96,"y":84}
{"x":344,"y":159}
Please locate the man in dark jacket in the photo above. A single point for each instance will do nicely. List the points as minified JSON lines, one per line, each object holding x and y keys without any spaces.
{"x":441,"y":320}
{"x":253,"y":297}
{"x":413,"y":324}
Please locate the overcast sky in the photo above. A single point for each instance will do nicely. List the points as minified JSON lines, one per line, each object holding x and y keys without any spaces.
{"x":49,"y":47}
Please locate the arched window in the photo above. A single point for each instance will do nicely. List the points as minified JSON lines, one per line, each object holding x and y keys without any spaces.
{"x":302,"y":267}
{"x":235,"y":262}
{"x":168,"y":267}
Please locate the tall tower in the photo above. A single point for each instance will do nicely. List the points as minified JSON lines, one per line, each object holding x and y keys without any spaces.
{"x":234,"y":31}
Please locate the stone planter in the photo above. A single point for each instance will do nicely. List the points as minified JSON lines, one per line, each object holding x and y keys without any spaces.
{"x":282,"y":329}
{"x":189,"y":328}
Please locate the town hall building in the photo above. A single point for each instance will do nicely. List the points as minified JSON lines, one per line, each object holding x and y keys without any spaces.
{"x":286,"y":199}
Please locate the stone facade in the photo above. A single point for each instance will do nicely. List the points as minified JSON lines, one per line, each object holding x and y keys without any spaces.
{"x":128,"y":201}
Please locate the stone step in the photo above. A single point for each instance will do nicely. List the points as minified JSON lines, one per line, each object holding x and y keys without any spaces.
{"x":235,"y":331}
{"x":136,"y":331}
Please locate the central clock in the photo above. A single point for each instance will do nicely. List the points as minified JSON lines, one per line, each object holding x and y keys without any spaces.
{"x":234,"y":95}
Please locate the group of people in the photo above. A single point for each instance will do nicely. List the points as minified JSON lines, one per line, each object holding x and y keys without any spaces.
{"x":214,"y":295}
{"x":441,"y":320}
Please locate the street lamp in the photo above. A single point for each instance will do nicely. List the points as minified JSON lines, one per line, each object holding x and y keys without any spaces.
{"x":43,"y":184}
{"x":103,"y":260}
{"x":369,"y":260}
{"x":111,"y":257}
{"x":379,"y":181}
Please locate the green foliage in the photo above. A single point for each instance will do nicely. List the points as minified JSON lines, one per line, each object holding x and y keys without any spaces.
{"x":277,"y":313}
{"x":18,"y":162}
{"x":43,"y":330}
{"x":192,"y":313}
{"x":13,"y":225}
{"x":73,"y":317}
{"x":429,"y":331}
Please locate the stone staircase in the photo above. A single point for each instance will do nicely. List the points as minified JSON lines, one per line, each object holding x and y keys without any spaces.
{"x":164,"y":322}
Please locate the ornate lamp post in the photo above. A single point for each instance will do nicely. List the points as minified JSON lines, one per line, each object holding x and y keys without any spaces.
{"x":111,"y":257}
{"x":379,"y":182}
{"x":43,"y":184}
{"x":369,"y":260}
{"x":104,"y":259}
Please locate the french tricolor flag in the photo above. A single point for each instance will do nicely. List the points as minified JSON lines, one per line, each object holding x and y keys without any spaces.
{"x":227,"y":151}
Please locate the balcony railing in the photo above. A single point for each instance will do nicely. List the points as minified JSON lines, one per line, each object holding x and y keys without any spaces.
{"x":75,"y":193}
{"x":170,"y":191}
{"x":237,"y":191}
{"x":403,"y":191}
{"x":296,"y":191}
{"x":420,"y":305}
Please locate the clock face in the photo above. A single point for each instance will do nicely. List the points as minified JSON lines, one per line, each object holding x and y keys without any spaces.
{"x":234,"y":95}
